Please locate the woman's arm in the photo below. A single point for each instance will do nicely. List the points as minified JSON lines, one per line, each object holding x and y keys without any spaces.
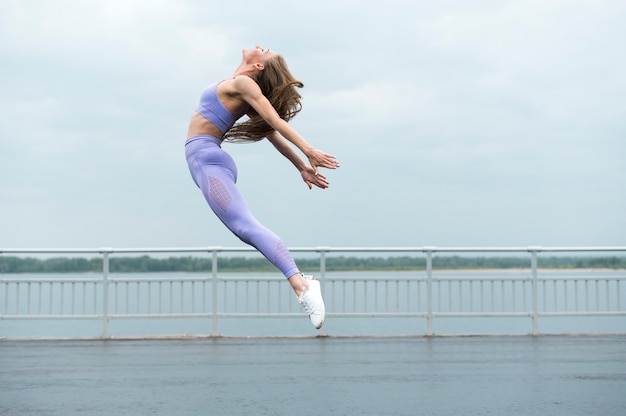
{"x":286,"y":150}
{"x":309,"y":175}
{"x":251,"y":93}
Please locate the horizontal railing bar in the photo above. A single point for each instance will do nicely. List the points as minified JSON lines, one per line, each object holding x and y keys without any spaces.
{"x":269,"y":315}
{"x":582,"y":314}
{"x":51,"y":317}
{"x":98,"y":279}
{"x":169,"y":279}
{"x":559,"y":279}
{"x":43,"y":279}
{"x":160,"y":315}
{"x":330,"y":314}
{"x":431,"y":249}
{"x":482,"y":314}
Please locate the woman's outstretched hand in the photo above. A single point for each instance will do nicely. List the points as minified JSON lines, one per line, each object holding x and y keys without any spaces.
{"x":311,"y":177}
{"x":317,"y":158}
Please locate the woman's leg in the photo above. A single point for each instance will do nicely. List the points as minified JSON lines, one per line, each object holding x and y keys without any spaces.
{"x":215,"y":173}
{"x":231,"y":208}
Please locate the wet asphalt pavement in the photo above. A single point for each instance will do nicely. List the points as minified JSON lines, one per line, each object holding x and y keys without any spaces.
{"x":325,"y":376}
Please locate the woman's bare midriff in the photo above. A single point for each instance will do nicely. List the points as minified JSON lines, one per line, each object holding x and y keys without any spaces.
{"x":200,"y":125}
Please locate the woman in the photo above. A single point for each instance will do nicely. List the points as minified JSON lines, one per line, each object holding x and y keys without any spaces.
{"x":263,"y":89}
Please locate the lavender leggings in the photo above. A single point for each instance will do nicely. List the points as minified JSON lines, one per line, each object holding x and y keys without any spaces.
{"x":215,"y":173}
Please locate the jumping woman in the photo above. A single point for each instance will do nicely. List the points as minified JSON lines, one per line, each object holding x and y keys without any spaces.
{"x":263,"y":89}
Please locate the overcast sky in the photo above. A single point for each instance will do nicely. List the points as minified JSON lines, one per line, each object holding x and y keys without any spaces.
{"x":457,"y":123}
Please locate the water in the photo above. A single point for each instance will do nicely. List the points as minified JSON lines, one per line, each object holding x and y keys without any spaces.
{"x":525,"y":376}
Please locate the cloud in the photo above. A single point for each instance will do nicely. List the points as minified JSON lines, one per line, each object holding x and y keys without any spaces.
{"x":455,"y":122}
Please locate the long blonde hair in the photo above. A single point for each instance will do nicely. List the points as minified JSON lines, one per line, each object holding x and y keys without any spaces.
{"x":278,"y":85}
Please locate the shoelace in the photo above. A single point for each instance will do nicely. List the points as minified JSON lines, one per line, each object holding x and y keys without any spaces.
{"x":305,"y":302}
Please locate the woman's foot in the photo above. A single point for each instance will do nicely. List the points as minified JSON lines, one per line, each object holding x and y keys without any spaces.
{"x":310,"y":297}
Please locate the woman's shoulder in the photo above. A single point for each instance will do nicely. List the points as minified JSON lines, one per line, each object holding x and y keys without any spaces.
{"x":240,"y":85}
{"x":241,"y":81}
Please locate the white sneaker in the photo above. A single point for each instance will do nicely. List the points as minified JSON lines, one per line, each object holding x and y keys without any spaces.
{"x":312,"y":302}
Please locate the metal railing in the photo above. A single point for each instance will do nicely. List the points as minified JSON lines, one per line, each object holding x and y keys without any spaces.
{"x":427,"y":296}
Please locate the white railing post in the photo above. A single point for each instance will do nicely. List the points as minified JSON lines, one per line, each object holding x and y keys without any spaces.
{"x":322,"y":278}
{"x":105,"y":294}
{"x":533,"y":266}
{"x":429,"y":291}
{"x":322,"y":262}
{"x":214,"y":292}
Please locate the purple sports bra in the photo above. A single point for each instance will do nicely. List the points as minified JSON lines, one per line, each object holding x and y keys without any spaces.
{"x":213,"y":110}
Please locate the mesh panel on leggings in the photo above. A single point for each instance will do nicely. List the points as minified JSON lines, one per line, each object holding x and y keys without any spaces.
{"x":219,"y":193}
{"x":282,"y":257}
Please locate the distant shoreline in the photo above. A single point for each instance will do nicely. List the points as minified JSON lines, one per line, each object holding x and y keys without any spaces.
{"x":12,"y":264}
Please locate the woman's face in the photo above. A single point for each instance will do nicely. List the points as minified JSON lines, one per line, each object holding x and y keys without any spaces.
{"x":257,"y":55}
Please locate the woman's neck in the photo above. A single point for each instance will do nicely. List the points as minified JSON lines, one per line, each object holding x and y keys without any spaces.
{"x":245,"y":69}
